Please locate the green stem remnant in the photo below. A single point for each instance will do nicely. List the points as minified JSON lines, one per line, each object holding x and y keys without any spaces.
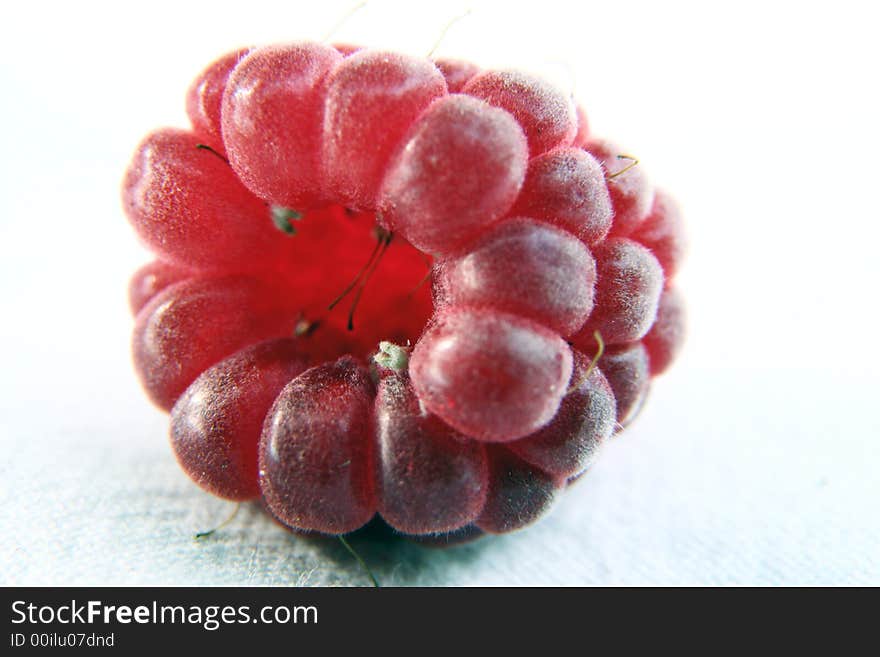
{"x":362,"y":563}
{"x":633,"y":161}
{"x":221,"y":525}
{"x":392,"y":356}
{"x":282,"y":217}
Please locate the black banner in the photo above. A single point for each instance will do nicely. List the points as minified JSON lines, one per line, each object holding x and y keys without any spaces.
{"x":110,"y":619}
{"x":242,"y":620}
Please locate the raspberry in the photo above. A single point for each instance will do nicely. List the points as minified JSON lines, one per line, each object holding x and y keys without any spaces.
{"x":392,"y":288}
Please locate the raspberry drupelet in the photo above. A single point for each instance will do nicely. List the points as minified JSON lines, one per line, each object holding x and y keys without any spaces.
{"x":386,"y":285}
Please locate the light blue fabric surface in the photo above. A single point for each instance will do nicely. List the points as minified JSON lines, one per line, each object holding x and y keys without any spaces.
{"x":711,"y":486}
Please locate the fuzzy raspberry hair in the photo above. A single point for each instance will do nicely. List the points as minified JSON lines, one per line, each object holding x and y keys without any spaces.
{"x":389,"y":285}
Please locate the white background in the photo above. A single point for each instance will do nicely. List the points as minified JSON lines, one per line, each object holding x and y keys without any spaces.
{"x":755,"y":461}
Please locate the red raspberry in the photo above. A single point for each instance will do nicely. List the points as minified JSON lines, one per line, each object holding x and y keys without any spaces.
{"x":367,"y":269}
